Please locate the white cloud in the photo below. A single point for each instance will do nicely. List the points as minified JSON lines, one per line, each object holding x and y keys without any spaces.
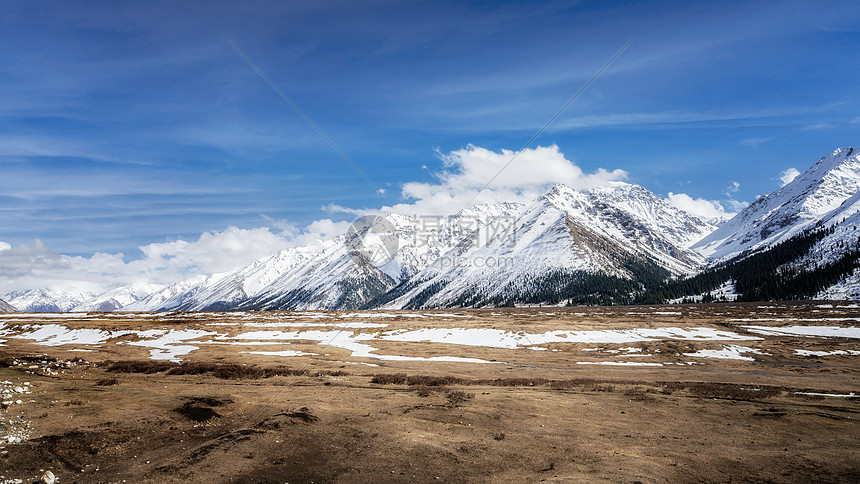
{"x":466,"y":171}
{"x":699,"y":207}
{"x":733,"y":188}
{"x":213,"y":251}
{"x":788,"y":175}
{"x":35,"y":266}
{"x":318,"y":231}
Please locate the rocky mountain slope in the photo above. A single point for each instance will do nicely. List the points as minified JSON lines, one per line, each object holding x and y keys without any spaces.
{"x":613,"y":231}
{"x":118,"y":298}
{"x":43,"y":300}
{"x":6,"y":307}
{"x":604,"y":231}
{"x":827,"y":191}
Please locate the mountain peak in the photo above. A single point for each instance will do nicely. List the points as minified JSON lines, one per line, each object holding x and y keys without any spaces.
{"x":813,"y":195}
{"x":46,"y":300}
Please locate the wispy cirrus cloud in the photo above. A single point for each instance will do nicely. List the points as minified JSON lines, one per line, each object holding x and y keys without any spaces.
{"x":755,"y":141}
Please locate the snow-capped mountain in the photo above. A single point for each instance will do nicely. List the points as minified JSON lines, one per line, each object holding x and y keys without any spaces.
{"x":344,"y":276}
{"x":118,"y":298}
{"x":47,"y":301}
{"x":823,"y":192}
{"x":619,"y":237}
{"x":173,"y":295}
{"x":603,"y":230}
{"x":599,"y":231}
{"x":237,"y":287}
{"x":606,"y":230}
{"x":655,"y":213}
{"x":6,"y":307}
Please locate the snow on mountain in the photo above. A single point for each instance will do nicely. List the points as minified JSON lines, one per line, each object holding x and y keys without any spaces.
{"x":845,"y":236}
{"x":46,"y":301}
{"x":173,"y":295}
{"x":496,"y":250}
{"x":118,"y":298}
{"x":844,"y":239}
{"x":241,"y":285}
{"x":827,"y":191}
{"x":599,"y":230}
{"x":6,"y":307}
{"x":338,"y":276}
{"x":654,"y":212}
{"x":847,"y":288}
{"x":564,"y":231}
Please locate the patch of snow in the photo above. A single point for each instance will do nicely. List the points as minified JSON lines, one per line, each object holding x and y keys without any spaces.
{"x":826,"y":353}
{"x":165,"y":344}
{"x":58,"y":335}
{"x":278,"y":353}
{"x":730,"y":352}
{"x":356,"y":325}
{"x":495,"y":338}
{"x":346,"y":340}
{"x":807,"y":331}
{"x":845,"y":395}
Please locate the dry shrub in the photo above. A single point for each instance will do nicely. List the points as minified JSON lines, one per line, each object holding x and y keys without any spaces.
{"x":670,"y":387}
{"x":457,"y":397}
{"x":333,"y":373}
{"x":601,"y":387}
{"x":139,"y":366}
{"x":426,"y":391}
{"x":520,"y":382}
{"x":303,"y":414}
{"x":226,"y":371}
{"x":435,"y":381}
{"x":389,"y":379}
{"x":638,"y":394}
{"x":731,"y":391}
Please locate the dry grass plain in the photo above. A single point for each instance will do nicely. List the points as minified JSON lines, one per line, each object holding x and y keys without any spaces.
{"x":621,"y":394}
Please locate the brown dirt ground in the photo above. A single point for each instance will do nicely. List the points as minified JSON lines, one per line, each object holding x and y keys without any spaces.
{"x":698,"y":423}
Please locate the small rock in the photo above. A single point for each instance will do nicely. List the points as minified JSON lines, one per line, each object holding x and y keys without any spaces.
{"x":48,"y":478}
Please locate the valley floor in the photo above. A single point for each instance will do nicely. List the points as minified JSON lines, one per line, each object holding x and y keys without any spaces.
{"x":692,"y":393}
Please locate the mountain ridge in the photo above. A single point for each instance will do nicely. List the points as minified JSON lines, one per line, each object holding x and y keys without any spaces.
{"x":620,"y":238}
{"x":814,"y":195}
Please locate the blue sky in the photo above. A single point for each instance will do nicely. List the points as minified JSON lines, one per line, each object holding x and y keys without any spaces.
{"x":127,"y":125}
